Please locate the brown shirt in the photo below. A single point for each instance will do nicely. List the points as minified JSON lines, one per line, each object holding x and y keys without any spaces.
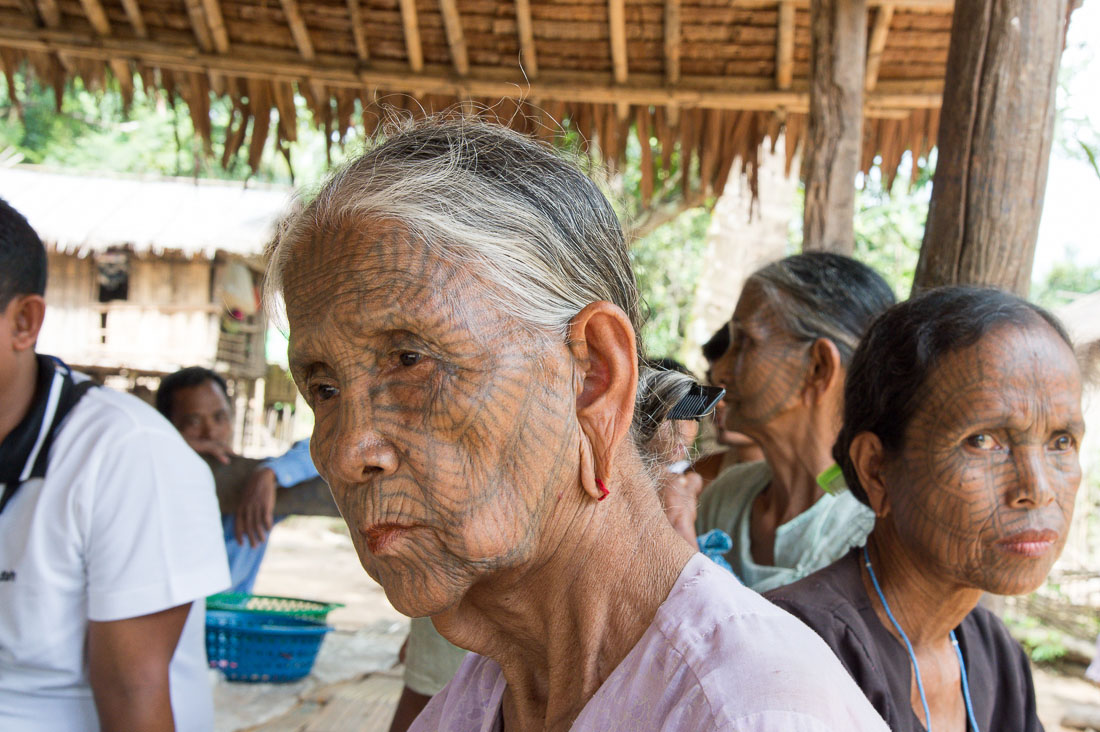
{"x":833,"y":602}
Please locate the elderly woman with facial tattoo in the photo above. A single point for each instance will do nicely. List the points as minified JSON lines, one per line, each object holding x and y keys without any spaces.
{"x":463,"y":322}
{"x":961,"y":429}
{"x":792,"y":335}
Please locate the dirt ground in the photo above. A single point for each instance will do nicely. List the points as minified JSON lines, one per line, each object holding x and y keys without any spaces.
{"x":312,"y":557}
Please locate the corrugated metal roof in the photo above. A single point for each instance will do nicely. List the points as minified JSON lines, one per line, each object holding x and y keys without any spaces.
{"x":81,"y":214}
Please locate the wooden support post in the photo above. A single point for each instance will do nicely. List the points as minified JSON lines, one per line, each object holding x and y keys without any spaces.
{"x":996,"y":127}
{"x":784,"y":46}
{"x":355,"y":19}
{"x":412,"y":35}
{"x":526,"y":39}
{"x":838,"y":44}
{"x":876,"y":44}
{"x":456,"y":39}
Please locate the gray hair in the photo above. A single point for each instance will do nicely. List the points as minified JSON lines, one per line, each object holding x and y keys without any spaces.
{"x":824,"y":295}
{"x":511,"y":209}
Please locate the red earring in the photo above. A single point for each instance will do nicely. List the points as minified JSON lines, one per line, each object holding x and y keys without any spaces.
{"x":604,"y":493}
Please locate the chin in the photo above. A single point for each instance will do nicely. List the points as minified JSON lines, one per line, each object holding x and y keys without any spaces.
{"x":1022,"y":581}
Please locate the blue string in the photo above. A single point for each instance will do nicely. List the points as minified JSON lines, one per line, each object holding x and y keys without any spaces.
{"x":965,"y":684}
{"x":913,"y":656}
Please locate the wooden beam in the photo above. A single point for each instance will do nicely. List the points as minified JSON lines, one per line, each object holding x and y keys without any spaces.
{"x":198,"y":25}
{"x":616,"y":21}
{"x":456,"y":39}
{"x":876,"y":44}
{"x":96,"y":16}
{"x":784,"y":46}
{"x":526,"y":39}
{"x":133,"y":14}
{"x":838,"y":45}
{"x":51,"y":13}
{"x":673,"y":32}
{"x":994,"y":141}
{"x":581,"y":87}
{"x":298,"y":29}
{"x":917,"y":6}
{"x":412,"y":35}
{"x":216,"y":22}
{"x":355,"y":19}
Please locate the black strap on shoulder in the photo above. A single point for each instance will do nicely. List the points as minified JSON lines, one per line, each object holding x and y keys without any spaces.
{"x":70,"y":393}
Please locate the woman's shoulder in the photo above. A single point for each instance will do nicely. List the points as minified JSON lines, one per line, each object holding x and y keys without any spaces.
{"x":734,"y":640}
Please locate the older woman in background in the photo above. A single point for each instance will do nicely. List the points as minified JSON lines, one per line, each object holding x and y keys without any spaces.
{"x":462,"y":320}
{"x":961,"y":427}
{"x":794,"y":330}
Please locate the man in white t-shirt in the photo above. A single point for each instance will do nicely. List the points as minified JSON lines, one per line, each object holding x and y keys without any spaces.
{"x":109,"y":538}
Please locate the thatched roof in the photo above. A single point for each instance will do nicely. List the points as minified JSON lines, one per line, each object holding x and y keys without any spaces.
{"x":713,"y":77}
{"x":83,"y":214}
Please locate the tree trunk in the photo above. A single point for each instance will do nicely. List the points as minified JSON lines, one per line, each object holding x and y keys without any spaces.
{"x":996,"y":128}
{"x":838,"y":52}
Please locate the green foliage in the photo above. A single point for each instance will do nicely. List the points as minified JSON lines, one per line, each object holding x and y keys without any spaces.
{"x":1066,"y":281}
{"x":668,"y":263}
{"x":889,"y":224}
{"x":94,"y":132}
{"x":1042,"y":643}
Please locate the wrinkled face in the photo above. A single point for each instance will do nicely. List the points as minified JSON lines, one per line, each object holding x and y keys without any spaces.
{"x":984,"y":484}
{"x":764,"y":369}
{"x":202,"y":413}
{"x":442,"y":427}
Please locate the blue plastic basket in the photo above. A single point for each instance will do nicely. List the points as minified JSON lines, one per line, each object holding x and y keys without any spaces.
{"x":251,"y":646}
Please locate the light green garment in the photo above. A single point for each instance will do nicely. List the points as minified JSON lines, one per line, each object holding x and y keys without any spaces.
{"x":430,"y":660}
{"x":814,"y":539}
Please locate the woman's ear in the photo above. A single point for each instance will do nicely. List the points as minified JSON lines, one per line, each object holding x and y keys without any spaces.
{"x":601,"y":341}
{"x":825,"y":373}
{"x":868,"y":458}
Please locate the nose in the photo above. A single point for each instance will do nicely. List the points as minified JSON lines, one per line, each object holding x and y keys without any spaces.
{"x":1033,"y":485}
{"x":355,"y":451}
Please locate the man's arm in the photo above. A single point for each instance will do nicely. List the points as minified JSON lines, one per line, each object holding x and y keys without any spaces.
{"x":128,"y":669}
{"x":256,"y":511}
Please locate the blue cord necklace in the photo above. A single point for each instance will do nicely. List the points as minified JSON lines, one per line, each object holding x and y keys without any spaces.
{"x":913,"y":656}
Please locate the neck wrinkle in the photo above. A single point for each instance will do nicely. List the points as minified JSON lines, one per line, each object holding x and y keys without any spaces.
{"x":560,"y":628}
{"x":796,"y":457}
{"x":926,"y":606}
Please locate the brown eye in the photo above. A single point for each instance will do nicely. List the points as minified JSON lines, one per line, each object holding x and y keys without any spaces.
{"x":323,"y":392}
{"x":983,"y":441}
{"x":1063,"y":443}
{"x":409,"y":358}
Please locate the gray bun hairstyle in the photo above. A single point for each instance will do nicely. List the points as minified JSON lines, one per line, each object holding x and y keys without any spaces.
{"x":512,"y":209}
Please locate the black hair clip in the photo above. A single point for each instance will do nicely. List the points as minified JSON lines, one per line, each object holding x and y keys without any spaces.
{"x":697,"y":403}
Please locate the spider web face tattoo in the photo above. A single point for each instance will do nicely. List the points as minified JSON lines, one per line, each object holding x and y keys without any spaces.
{"x":443,"y":427}
{"x":984,"y":486}
{"x":764,"y":368}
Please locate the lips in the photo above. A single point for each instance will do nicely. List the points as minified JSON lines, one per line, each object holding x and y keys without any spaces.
{"x":1032,"y":543}
{"x":381,"y":536}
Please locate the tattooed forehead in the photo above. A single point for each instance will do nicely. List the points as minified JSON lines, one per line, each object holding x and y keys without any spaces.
{"x":368,"y":280}
{"x":1017,"y":377}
